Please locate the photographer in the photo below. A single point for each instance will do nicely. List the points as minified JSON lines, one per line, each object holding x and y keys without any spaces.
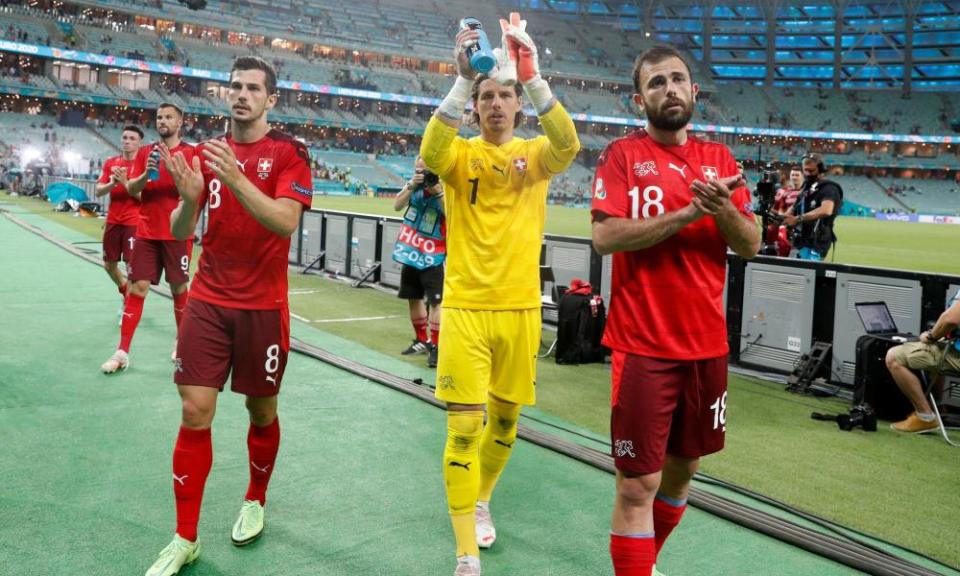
{"x":421,"y":248}
{"x":814,"y":212}
{"x":927,"y":354}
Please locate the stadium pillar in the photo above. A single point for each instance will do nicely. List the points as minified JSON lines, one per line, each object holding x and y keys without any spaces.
{"x":838,"y":6}
{"x":910,"y":19}
{"x":708,"y":34}
{"x":770,"y":11}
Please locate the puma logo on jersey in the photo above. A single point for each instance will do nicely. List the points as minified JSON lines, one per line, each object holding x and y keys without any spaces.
{"x":181,"y":480}
{"x":243,"y":165}
{"x":460,"y":465}
{"x":272,"y":380}
{"x":259,"y":469}
{"x":498,"y":169}
{"x":679,"y":169}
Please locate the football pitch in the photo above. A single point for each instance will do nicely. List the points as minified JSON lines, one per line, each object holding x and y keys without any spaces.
{"x":862,"y":241}
{"x":336,"y":422}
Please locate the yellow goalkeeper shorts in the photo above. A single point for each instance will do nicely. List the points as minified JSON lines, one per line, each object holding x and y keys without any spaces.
{"x":488,"y":351}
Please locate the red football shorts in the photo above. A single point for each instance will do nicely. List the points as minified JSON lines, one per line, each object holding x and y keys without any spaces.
{"x":150,"y":257}
{"x":118,"y":242}
{"x":676,"y":407}
{"x":214,"y":341}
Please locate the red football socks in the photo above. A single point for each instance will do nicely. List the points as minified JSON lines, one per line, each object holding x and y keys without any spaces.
{"x":192,"y":458}
{"x":633,"y":555}
{"x":132,"y":310}
{"x":666,"y":515}
{"x":435,"y":333}
{"x":420,"y":327}
{"x":262,"y":444}
{"x":179,"y":306}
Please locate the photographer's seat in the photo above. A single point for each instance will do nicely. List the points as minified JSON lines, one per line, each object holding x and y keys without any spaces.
{"x":928,"y":384}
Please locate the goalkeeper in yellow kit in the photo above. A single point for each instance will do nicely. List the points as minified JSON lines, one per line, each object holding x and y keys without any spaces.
{"x":496,"y":191}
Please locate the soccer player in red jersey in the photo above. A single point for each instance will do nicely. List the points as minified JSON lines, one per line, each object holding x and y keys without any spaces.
{"x":667,"y":205}
{"x":255,"y":182}
{"x":124,"y":212}
{"x":154,"y":248}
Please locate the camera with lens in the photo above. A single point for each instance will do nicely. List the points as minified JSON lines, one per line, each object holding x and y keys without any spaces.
{"x":429,"y":180}
{"x":766,"y":194}
{"x":860,"y":416}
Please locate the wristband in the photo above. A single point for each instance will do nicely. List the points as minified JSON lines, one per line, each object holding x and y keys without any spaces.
{"x":454,"y":104}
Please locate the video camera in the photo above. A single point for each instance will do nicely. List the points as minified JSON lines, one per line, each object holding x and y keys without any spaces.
{"x":766,"y":194}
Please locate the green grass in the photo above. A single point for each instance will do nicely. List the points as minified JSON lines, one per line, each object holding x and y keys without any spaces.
{"x":898,"y":488}
{"x":862,"y":242}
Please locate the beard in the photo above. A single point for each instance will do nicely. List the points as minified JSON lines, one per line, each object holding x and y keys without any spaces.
{"x":165,"y":131}
{"x":673,"y":120}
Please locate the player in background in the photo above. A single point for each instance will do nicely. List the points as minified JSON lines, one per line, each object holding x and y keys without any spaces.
{"x":783,"y":202}
{"x":155,"y":250}
{"x":495,"y":192}
{"x":667,"y":205}
{"x":255,"y":183}
{"x":124,"y":211}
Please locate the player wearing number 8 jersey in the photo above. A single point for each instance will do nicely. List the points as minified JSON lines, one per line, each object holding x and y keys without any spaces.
{"x":255,"y":182}
{"x":495,"y":195}
{"x":667,"y":205}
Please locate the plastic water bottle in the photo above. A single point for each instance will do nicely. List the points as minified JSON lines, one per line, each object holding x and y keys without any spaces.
{"x":154,"y":173}
{"x":480,"y":53}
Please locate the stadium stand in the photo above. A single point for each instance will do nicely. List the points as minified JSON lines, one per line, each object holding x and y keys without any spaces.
{"x":384,"y":47}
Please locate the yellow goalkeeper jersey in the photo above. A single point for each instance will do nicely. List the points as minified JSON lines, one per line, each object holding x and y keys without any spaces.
{"x":495,"y":204}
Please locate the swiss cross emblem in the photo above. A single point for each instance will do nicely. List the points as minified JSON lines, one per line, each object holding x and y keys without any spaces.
{"x":710,"y":173}
{"x":520,"y":164}
{"x":263,"y":167}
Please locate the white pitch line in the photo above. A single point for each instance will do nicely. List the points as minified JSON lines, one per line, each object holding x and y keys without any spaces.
{"x":301,"y":291}
{"x":328,"y":320}
{"x":300,"y":318}
{"x":333,"y":320}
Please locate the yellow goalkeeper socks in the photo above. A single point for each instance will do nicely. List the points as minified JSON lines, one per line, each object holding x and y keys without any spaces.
{"x":461,"y":474}
{"x":496,"y":443}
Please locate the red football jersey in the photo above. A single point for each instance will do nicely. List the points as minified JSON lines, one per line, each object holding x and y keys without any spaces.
{"x":124,"y":208}
{"x":244,"y":265}
{"x":666,"y":300}
{"x":785,"y":199}
{"x":160,"y":196}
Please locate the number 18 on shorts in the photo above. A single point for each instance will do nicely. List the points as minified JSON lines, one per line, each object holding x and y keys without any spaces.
{"x":666,"y":407}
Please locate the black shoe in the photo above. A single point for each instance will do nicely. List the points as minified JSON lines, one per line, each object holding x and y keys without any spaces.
{"x":416,"y":347}
{"x":432,"y":357}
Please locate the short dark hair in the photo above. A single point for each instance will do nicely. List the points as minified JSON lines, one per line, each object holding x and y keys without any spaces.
{"x":256,"y":63}
{"x":655,"y":55}
{"x":817,"y":159}
{"x":171,"y":105}
{"x":475,"y":93}
{"x":135,"y":129}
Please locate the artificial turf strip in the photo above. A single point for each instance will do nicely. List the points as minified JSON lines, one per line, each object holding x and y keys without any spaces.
{"x":86,"y":463}
{"x":773,"y":447}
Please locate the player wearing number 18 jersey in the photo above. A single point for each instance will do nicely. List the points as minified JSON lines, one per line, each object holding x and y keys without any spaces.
{"x":666,"y":205}
{"x":255,"y":183}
